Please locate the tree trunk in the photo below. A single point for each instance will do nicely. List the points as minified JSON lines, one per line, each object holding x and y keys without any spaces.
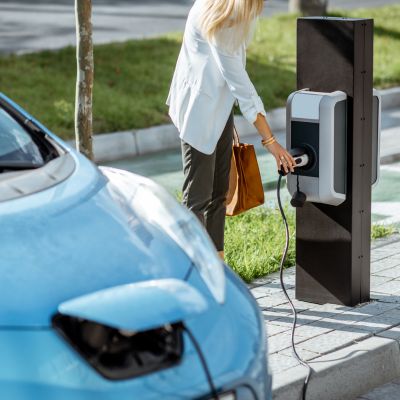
{"x":84,"y":81}
{"x":309,"y":7}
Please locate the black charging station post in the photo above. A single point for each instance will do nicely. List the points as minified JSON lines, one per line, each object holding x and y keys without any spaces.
{"x":333,"y":242}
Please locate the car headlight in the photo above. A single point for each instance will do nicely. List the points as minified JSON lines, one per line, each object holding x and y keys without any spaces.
{"x":152,"y":203}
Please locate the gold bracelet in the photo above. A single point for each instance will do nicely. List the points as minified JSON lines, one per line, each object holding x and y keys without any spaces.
{"x":269,"y":141}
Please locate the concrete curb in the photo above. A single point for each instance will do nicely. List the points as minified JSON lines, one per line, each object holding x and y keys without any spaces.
{"x":114,"y":146}
{"x":347,"y":373}
{"x":390,"y":158}
{"x":390,"y":98}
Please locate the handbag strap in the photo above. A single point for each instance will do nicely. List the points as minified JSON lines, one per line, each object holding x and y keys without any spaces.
{"x":235,"y":135}
{"x":240,"y":164}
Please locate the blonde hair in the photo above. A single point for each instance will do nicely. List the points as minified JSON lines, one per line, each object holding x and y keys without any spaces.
{"x":229,"y":22}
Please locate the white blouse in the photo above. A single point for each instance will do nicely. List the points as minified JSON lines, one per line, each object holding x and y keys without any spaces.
{"x":205,"y":85}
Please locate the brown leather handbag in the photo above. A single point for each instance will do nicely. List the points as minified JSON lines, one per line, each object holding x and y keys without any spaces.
{"x":245,"y":185}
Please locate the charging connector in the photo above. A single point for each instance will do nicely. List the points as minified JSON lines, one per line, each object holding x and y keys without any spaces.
{"x":301,"y":161}
{"x":303,"y":157}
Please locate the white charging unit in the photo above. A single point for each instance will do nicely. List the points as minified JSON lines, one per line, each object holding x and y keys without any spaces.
{"x":317,"y":121}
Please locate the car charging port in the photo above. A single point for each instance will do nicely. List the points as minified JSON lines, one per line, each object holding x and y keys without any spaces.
{"x":118,"y":354}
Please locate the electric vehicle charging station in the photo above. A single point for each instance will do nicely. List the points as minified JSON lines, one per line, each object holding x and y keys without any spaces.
{"x":316,"y":124}
{"x":333,"y":129}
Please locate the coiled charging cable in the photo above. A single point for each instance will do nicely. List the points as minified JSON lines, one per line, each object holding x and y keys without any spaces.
{"x":294,"y":352}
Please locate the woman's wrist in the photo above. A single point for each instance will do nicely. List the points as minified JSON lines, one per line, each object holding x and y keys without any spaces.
{"x":263,"y":128}
{"x":269,"y":141}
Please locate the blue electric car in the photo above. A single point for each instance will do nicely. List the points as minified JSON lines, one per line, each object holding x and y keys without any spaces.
{"x":109,"y":288}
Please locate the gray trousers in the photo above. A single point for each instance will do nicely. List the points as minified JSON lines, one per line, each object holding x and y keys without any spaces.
{"x":207,"y":182}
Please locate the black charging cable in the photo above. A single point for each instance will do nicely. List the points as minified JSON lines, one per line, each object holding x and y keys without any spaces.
{"x":294,"y":352}
{"x":203,"y":362}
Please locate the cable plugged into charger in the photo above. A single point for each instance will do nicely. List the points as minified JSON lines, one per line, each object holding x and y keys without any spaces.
{"x":304,"y":157}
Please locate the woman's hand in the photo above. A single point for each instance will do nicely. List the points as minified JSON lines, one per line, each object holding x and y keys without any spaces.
{"x":282,"y":157}
{"x":280,"y":154}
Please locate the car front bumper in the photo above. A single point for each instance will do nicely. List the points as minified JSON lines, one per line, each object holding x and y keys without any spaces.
{"x":38,"y":364}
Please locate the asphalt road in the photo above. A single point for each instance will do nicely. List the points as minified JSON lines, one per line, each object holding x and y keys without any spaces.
{"x":32,"y":25}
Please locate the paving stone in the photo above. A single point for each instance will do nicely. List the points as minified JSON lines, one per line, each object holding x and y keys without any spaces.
{"x":383,"y":253}
{"x":303,"y":354}
{"x":280,"y":363}
{"x":301,"y":320}
{"x":390,"y":272}
{"x":277,"y":343}
{"x":361,"y":313}
{"x":263,"y":280}
{"x":394,"y":313}
{"x":272,"y":315}
{"x":326,"y":310}
{"x":268,"y":302}
{"x":382,"y":242}
{"x":262,"y":291}
{"x":392,"y":247}
{"x":280,"y":342}
{"x":275,"y":329}
{"x":390,"y":298}
{"x":300,"y":306}
{"x":288,"y":280}
{"x":376,"y":324}
{"x":389,"y":391}
{"x":290,"y":270}
{"x":393,"y":333}
{"x":377,"y":296}
{"x":249,"y":285}
{"x":308,"y":331}
{"x":376,"y":280}
{"x":266,"y":290}
{"x":332,"y":324}
{"x":380,"y":257}
{"x":384,"y":264}
{"x":388,"y":287}
{"x":274,"y":299}
{"x":286,"y":275}
{"x":376,"y":308}
{"x":333,"y":340}
{"x":350,"y":316}
{"x":304,"y":304}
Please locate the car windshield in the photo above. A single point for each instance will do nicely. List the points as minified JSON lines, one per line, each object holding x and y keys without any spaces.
{"x":16,"y":144}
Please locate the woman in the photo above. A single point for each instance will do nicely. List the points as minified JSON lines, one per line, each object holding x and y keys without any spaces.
{"x":210,"y":76}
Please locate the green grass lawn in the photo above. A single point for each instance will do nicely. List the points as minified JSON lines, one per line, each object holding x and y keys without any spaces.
{"x":255,"y":241}
{"x":132,"y":79}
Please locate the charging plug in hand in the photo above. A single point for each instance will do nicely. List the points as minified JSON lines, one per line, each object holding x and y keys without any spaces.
{"x":282,"y":172}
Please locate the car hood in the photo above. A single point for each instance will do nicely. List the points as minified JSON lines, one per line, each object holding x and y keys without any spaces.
{"x":73,"y":239}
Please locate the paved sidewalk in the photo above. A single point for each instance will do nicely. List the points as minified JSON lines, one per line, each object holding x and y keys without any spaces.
{"x":323,"y":329}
